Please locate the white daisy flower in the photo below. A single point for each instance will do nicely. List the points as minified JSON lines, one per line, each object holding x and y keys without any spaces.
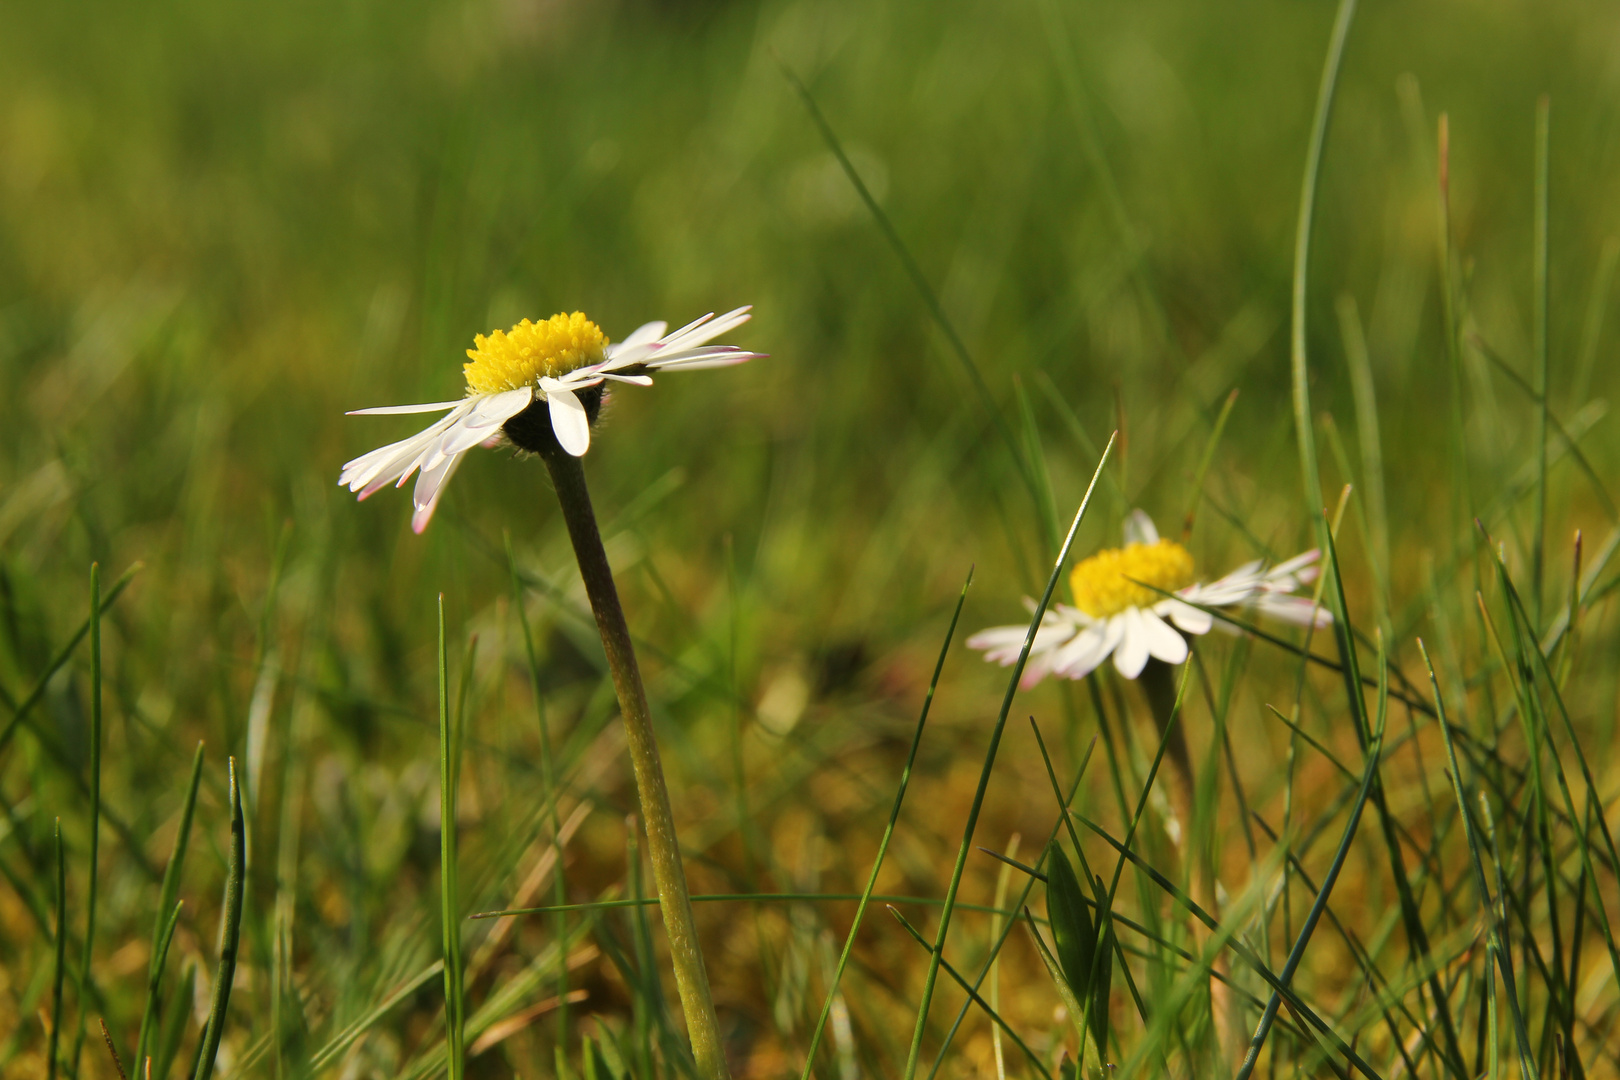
{"x":1116,"y":615}
{"x":538,"y":387}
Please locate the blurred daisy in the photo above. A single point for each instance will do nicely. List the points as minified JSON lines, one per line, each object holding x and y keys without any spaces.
{"x":1115,"y":614}
{"x":538,"y":387}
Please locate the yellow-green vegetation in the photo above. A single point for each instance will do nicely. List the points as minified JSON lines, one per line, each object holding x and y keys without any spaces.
{"x":980,"y":237}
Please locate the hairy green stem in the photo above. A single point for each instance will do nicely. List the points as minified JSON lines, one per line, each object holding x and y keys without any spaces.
{"x":568,"y":476}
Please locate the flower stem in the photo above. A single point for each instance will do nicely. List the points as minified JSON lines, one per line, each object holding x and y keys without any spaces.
{"x":568,"y":476}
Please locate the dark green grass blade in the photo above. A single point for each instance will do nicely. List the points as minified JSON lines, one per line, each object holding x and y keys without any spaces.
{"x":1538,"y":538}
{"x":932,"y":974}
{"x":173,"y":1028}
{"x":888,"y":834}
{"x":160,"y":955}
{"x":1498,"y":947}
{"x":95,"y":811}
{"x":1544,"y":734}
{"x":973,"y":996}
{"x":20,"y":710}
{"x":449,"y":905}
{"x":60,"y":968}
{"x":230,"y":936}
{"x":1411,"y":915}
{"x":1007,"y":927}
{"x":168,"y":901}
{"x":1297,"y":954}
{"x":1243,"y":952}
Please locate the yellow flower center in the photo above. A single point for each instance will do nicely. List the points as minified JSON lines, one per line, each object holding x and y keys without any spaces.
{"x":1106,"y":583}
{"x":511,"y":360}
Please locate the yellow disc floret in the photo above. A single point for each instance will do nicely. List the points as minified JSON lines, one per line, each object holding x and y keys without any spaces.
{"x":511,"y":360}
{"x":1106,"y":583}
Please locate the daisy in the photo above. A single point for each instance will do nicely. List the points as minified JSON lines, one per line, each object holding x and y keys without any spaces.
{"x":538,"y":387}
{"x":1116,"y":614}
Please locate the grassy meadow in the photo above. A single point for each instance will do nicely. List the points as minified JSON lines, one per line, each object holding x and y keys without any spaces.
{"x":979,"y":239}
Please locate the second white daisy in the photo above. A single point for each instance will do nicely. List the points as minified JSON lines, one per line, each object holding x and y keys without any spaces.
{"x":1120,"y":609}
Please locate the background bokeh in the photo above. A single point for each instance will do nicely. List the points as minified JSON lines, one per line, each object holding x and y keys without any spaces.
{"x":221,"y":226}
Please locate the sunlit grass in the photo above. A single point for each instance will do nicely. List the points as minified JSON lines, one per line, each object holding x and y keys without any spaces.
{"x":979,"y":239}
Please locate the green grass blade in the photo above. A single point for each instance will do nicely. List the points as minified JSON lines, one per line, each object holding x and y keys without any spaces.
{"x":95,"y":811}
{"x":1297,"y":954}
{"x":20,"y":710}
{"x":1538,"y":538}
{"x":449,"y":905}
{"x":888,"y":834}
{"x":168,"y":900}
{"x":973,"y":995}
{"x":1298,"y":361}
{"x":1205,"y":460}
{"x":59,"y":968}
{"x":932,"y":974}
{"x":1482,"y":889}
{"x":230,"y":935}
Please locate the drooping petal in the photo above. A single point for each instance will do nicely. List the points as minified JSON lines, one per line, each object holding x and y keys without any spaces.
{"x":1139,"y":529}
{"x":397,"y":460}
{"x":568,"y":420}
{"x":429,"y":487}
{"x":1163,"y":643}
{"x":1132,"y":655}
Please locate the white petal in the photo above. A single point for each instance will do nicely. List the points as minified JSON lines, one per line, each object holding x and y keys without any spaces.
{"x":1132,"y":655}
{"x":569,"y":422}
{"x":1139,"y":529}
{"x":706,"y":358}
{"x":1298,"y":610}
{"x":429,"y":486}
{"x":393,"y":410}
{"x":1163,"y":642}
{"x":1188,"y":618}
{"x":397,"y":460}
{"x":644,"y":334}
{"x":639,"y":380}
{"x":1081,"y":656}
{"x":485,"y":420}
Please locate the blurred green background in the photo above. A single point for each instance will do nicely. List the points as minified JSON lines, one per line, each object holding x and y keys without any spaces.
{"x":222,"y":225}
